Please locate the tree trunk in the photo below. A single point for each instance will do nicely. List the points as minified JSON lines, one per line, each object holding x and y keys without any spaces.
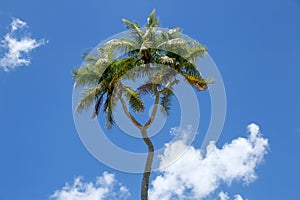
{"x":147,"y":170}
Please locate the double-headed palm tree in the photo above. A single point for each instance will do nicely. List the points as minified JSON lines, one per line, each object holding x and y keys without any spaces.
{"x":145,"y":52}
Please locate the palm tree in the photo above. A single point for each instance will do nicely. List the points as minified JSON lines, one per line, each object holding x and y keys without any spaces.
{"x":145,"y":51}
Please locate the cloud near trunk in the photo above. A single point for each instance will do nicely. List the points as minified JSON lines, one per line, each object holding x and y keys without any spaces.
{"x":196,"y":176}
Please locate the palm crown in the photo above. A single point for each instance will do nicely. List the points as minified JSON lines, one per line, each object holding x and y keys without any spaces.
{"x":145,"y":51}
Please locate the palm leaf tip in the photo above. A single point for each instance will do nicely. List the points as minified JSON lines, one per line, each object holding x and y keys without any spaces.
{"x":98,"y":106}
{"x":151,"y":16}
{"x":151,"y":20}
{"x":131,"y":25}
{"x":109,"y":120}
{"x":203,"y":84}
{"x":198,"y":82}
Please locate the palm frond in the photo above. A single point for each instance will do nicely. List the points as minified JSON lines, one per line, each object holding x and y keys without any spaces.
{"x":124,"y":44}
{"x":171,"y":34}
{"x":151,"y":21}
{"x":198,"y":82}
{"x":98,"y":105}
{"x":196,"y":52}
{"x":85,"y":76}
{"x":123,"y":69}
{"x":147,"y":88}
{"x":88,"y":98}
{"x":166,"y":60}
{"x":134,"y":27}
{"x":108,"y":110}
{"x":165,"y":100}
{"x":90,"y":59}
{"x":189,"y":68}
{"x":178,"y":46}
{"x":144,"y":50}
{"x":134,"y":99}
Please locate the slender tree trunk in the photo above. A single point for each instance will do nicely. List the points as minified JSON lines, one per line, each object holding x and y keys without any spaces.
{"x":147,"y":170}
{"x":143,"y":129}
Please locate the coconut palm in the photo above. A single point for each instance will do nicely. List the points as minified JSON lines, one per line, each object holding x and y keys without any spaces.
{"x":158,"y":56}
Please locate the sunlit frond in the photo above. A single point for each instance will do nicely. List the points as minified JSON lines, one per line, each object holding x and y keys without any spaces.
{"x":151,"y":21}
{"x":196,"y":53}
{"x":88,"y":98}
{"x":171,"y":34}
{"x":85,"y":76}
{"x":166,"y":60}
{"x":134,"y":27}
{"x":134,"y":99}
{"x":197,"y":82}
{"x":122,"y":43}
{"x":170,"y":44}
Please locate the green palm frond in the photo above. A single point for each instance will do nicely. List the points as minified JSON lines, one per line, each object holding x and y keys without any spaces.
{"x":123,"y":69}
{"x":172,"y":44}
{"x":90,"y":59}
{"x":124,"y":44}
{"x":196,"y":52}
{"x":147,"y":88}
{"x":88,"y":98}
{"x":165,"y":100}
{"x":134,"y":27}
{"x":134,"y":99}
{"x":98,"y":105}
{"x":151,"y":21}
{"x":144,"y":52}
{"x":85,"y":76}
{"x":147,"y":44}
{"x":171,"y":34}
{"x":198,"y":82}
{"x":109,"y":104}
{"x":189,"y":68}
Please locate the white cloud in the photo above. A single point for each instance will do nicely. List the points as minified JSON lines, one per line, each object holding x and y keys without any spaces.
{"x":196,"y":176}
{"x":224,"y":196}
{"x":17,"y":46}
{"x":105,"y":187}
{"x":17,"y":24}
{"x":193,"y":176}
{"x":238,"y":197}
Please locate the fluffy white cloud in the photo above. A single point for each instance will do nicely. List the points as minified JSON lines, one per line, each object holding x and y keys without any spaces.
{"x":196,"y":176}
{"x":193,"y":176}
{"x":224,"y":196}
{"x":105,"y":187}
{"x":17,"y":46}
{"x":238,"y":197}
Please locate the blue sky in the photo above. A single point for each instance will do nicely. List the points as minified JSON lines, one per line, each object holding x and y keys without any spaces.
{"x":255,"y":45}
